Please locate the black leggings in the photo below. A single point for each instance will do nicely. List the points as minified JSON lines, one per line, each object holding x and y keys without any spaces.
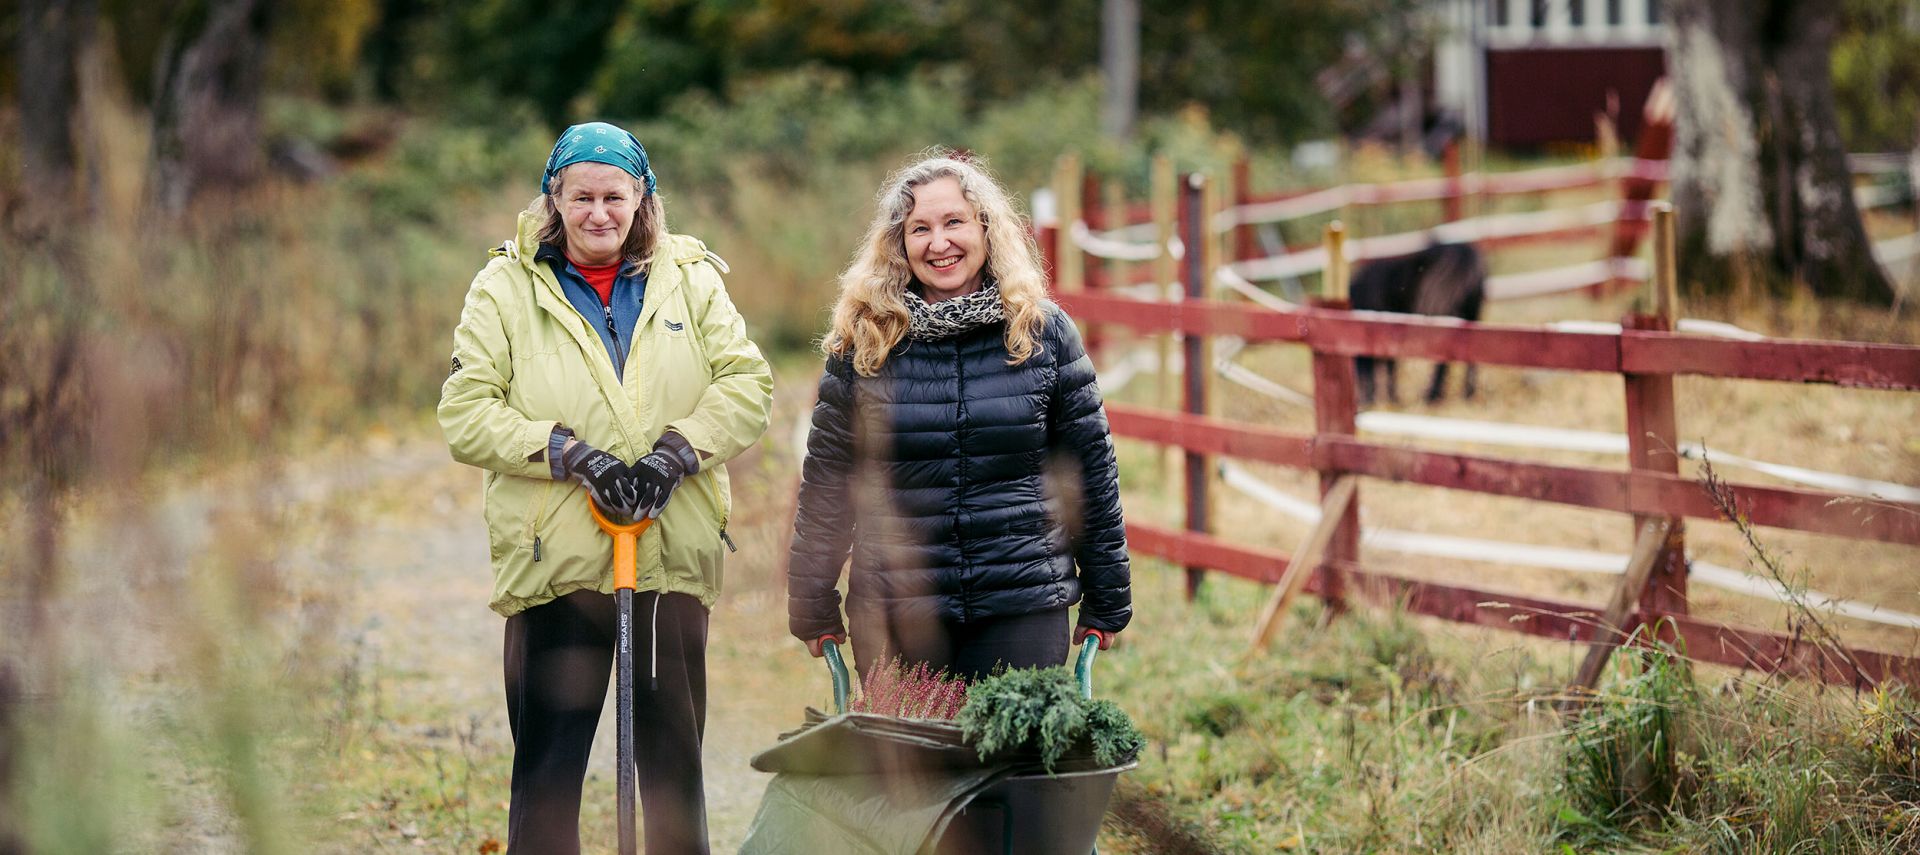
{"x":559,"y":660}
{"x":971,"y":650}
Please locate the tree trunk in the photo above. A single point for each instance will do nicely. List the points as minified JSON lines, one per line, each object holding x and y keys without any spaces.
{"x":206,"y":119}
{"x":1119,"y":66}
{"x":1761,"y":188}
{"x":52,"y":36}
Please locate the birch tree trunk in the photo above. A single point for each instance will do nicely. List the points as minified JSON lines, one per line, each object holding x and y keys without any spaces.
{"x":1761,"y":188}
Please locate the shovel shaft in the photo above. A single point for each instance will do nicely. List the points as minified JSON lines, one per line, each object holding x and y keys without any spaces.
{"x":623,"y":658}
{"x":625,"y":548}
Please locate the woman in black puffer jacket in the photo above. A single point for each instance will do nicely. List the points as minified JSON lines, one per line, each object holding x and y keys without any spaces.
{"x":959,"y":449}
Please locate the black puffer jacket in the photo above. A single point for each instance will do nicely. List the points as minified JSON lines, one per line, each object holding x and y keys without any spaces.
{"x":953,"y":478}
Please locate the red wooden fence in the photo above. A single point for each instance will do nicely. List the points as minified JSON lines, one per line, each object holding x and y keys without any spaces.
{"x":1644,"y":354}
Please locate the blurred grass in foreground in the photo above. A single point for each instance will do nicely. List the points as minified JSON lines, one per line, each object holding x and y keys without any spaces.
{"x":186,"y":675}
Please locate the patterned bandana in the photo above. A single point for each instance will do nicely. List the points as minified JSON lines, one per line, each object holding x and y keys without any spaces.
{"x":598,"y":142}
{"x":951,"y":317}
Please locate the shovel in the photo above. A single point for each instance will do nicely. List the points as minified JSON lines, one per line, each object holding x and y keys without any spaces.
{"x":625,"y":555}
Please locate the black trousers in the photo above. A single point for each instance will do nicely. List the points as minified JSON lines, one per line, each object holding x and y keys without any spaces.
{"x":559,"y":660}
{"x":971,"y":650}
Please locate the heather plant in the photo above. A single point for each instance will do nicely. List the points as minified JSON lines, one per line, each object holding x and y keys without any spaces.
{"x":893,"y":689}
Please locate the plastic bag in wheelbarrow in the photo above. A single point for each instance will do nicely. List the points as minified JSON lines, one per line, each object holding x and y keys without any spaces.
{"x":865,"y":784}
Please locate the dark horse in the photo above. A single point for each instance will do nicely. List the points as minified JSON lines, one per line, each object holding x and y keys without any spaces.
{"x":1446,"y":279}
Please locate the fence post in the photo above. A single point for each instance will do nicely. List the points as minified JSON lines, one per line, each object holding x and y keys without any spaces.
{"x":1655,"y":144}
{"x":1243,"y":248}
{"x":1094,"y":212}
{"x":1653,"y":440}
{"x":1335,"y":412}
{"x":1113,"y":215}
{"x":1069,"y":263}
{"x":1163,"y":194}
{"x":1451,"y":159}
{"x":1193,"y":220}
{"x":1334,"y":281}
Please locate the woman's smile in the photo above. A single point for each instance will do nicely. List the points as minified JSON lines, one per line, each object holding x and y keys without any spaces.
{"x":946,"y":243}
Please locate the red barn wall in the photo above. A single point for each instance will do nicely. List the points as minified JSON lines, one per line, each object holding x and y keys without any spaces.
{"x":1543,"y":95}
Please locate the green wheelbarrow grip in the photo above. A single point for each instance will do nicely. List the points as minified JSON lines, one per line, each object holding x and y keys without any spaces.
{"x":837,"y":668}
{"x":1083,"y":669}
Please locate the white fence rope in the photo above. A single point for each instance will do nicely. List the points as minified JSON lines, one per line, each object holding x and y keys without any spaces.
{"x":1544,"y":179}
{"x":1491,"y":227}
{"x":1142,"y":360}
{"x":1895,"y":250}
{"x":1226,"y":278}
{"x":1556,"y":558}
{"x":1104,"y":245}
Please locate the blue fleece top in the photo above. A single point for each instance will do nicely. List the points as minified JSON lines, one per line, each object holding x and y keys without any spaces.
{"x":629,"y":291}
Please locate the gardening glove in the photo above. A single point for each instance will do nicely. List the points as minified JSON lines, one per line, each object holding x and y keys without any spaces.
{"x":817,"y":646}
{"x":608,"y":480}
{"x":1103,"y":637}
{"x":656,"y":475}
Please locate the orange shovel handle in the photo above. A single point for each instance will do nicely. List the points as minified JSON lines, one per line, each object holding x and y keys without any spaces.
{"x":625,"y":546}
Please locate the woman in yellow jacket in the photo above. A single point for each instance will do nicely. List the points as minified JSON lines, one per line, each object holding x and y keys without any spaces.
{"x":592,"y":339}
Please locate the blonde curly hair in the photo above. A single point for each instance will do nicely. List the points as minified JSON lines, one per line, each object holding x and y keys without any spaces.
{"x":870,"y":316}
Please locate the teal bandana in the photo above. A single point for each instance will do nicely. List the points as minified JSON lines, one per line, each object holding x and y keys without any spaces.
{"x":598,"y":142}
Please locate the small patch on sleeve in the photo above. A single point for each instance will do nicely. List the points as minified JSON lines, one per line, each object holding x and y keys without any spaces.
{"x":456,"y":367}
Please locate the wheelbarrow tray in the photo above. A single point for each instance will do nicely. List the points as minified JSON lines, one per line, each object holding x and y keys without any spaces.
{"x":1033,"y":814}
{"x":862,"y":783}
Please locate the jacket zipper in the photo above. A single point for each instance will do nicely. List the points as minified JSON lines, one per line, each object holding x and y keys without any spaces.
{"x":612,"y":331}
{"x":727,"y":540}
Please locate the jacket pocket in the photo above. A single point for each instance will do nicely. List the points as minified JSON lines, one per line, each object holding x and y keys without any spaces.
{"x":541,"y":511}
{"x":506,"y":509}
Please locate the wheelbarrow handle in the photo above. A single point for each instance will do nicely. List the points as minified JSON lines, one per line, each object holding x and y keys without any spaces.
{"x":1083,"y":668}
{"x":837,"y":669}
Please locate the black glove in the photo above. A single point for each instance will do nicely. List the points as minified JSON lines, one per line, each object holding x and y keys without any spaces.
{"x":607,"y":479}
{"x":658,"y":473}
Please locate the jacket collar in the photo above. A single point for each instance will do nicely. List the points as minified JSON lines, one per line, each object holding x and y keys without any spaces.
{"x":663,"y":280}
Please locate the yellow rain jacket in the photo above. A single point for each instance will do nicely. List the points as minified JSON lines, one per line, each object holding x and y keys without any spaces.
{"x":524,"y":359}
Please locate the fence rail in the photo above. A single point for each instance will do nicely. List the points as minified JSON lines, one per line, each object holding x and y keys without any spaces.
{"x":1707,"y":641}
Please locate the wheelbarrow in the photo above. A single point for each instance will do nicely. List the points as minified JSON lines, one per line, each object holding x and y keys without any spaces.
{"x":889,"y":786}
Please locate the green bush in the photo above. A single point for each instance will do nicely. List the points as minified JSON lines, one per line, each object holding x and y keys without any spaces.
{"x":1042,"y":710}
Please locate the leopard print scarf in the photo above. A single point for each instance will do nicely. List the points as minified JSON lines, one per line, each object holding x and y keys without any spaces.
{"x":951,"y":317}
